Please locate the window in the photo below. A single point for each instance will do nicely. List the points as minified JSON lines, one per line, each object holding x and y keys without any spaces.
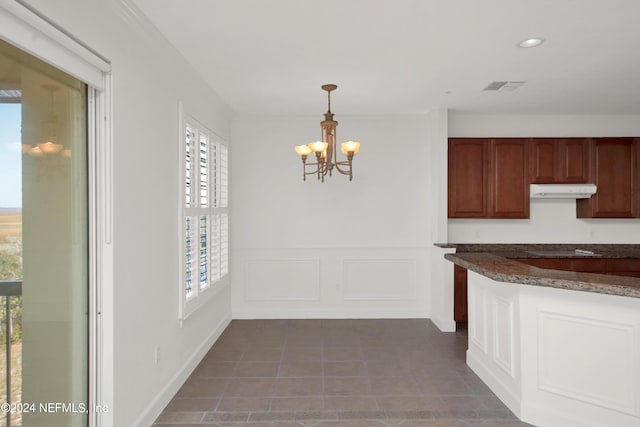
{"x":204,"y":214}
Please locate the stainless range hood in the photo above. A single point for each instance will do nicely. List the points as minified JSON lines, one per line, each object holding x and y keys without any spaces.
{"x":562,"y":191}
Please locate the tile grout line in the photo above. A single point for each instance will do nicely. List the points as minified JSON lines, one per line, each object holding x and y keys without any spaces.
{"x":417,"y":370}
{"x":324,"y":394}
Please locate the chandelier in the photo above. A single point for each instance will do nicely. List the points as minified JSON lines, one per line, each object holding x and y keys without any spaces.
{"x":325,"y":149}
{"x":50,"y":144}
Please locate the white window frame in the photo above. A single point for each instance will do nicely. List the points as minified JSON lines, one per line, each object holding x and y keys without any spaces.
{"x":211,"y":205}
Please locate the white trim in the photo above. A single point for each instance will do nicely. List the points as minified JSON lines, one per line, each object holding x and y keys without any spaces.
{"x":345,"y":248}
{"x":200,"y":296}
{"x":105,"y":257}
{"x":445,"y":325}
{"x":164,"y":396}
{"x":181,"y":211}
{"x":31,"y":32}
{"x":509,"y":398}
{"x":94,"y":300}
{"x":307,"y":312}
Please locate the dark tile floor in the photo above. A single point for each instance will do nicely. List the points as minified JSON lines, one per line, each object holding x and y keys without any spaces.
{"x":336,"y":373}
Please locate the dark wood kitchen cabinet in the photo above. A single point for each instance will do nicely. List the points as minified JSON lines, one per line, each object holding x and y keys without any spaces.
{"x":585,"y":265}
{"x":623,"y":267}
{"x":509,"y":185}
{"x":614,"y":170}
{"x":488,"y":178}
{"x":629,"y":267}
{"x":468,"y":171}
{"x":459,"y":293}
{"x":559,"y":160}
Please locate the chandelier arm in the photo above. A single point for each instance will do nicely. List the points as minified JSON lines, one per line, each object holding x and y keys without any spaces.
{"x":343,"y":171}
{"x":348,"y":170}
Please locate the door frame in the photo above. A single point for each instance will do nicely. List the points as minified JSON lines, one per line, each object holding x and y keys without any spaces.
{"x":27,"y":29}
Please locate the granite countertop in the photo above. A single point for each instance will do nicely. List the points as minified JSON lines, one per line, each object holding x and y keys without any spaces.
{"x":548,"y":250}
{"x":495,"y":262}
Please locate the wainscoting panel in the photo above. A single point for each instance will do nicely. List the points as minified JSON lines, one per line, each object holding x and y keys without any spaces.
{"x":330,"y":283}
{"x":557,"y":357}
{"x":478,"y":312}
{"x":503,"y":335}
{"x":597,"y":366}
{"x":379,"y":279}
{"x":493,"y":351}
{"x":282,"y":280}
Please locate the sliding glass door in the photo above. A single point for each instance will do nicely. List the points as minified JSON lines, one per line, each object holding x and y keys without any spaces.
{"x":44,"y":258}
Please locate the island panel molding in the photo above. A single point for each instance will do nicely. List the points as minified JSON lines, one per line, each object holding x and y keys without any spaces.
{"x":571,"y":375}
{"x":576,"y":354}
{"x":478,"y":330}
{"x":489,"y":334}
{"x":504,"y":334}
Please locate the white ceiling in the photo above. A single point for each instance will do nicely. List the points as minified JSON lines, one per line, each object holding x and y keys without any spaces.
{"x":403,"y":56}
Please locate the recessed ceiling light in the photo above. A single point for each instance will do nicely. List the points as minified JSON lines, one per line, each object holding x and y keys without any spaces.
{"x":532,"y":42}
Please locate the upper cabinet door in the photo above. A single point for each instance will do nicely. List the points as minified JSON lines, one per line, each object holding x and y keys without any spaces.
{"x":509,"y":196}
{"x":614,"y":169}
{"x":559,"y":160}
{"x":488,"y":178}
{"x":545,"y":161}
{"x":573,"y":166}
{"x":468,"y":173}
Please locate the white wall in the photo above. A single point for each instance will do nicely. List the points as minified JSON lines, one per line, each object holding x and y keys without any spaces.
{"x":149,"y":79}
{"x":441,"y":273}
{"x":332,"y":249}
{"x":551,"y":221}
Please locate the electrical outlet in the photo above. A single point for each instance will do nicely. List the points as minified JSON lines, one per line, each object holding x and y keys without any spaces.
{"x":156,"y":355}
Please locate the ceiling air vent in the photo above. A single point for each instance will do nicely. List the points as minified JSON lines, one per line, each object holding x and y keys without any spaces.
{"x":504,"y":86}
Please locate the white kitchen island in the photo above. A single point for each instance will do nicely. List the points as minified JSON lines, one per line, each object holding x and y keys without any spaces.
{"x":556,"y":357}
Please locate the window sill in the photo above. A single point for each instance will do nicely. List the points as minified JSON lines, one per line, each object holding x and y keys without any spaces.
{"x":203,"y":299}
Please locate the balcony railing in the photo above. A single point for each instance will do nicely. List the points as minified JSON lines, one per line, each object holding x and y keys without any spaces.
{"x":9,"y":289}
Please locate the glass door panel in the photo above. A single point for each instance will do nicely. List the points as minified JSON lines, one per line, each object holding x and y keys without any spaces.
{"x":43,"y":243}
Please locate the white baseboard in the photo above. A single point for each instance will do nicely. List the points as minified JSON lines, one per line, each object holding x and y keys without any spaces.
{"x":350,"y":313}
{"x":506,"y":395}
{"x":445,"y":325}
{"x":544,"y":416}
{"x":164,"y":396}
